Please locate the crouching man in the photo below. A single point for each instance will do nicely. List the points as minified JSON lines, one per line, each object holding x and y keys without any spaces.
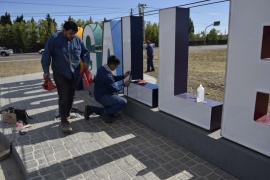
{"x":106,"y":91}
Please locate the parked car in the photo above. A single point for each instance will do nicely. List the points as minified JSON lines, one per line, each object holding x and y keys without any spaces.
{"x":41,"y":51}
{"x":5,"y":52}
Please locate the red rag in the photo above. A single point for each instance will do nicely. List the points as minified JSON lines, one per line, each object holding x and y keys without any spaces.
{"x":48,"y":85}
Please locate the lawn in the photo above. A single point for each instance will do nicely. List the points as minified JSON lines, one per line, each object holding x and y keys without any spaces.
{"x":205,"y":67}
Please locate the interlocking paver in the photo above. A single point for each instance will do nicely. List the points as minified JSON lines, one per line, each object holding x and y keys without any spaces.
{"x":72,"y":170}
{"x":201,"y":170}
{"x":58,"y":174}
{"x":125,"y":149}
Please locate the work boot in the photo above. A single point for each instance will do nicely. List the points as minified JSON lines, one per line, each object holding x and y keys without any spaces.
{"x":66,"y":128}
{"x":107,"y":118}
{"x":115,"y":115}
{"x":87,"y":112}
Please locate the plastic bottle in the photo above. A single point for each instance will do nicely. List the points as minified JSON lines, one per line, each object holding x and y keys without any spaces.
{"x":19,"y":126}
{"x":200,"y":94}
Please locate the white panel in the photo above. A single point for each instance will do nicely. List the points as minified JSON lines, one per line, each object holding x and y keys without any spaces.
{"x":198,"y":114}
{"x":107,"y":42}
{"x":166,"y":52}
{"x":140,"y":93}
{"x":89,"y":32}
{"x":126,"y":33}
{"x":93,"y":58}
{"x":131,"y":91}
{"x":246,"y":74}
{"x":145,"y":95}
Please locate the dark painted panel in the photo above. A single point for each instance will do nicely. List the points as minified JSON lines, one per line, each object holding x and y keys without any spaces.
{"x":181,"y":51}
{"x":136,"y":47}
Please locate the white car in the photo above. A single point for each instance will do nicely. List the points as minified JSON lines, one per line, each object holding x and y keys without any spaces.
{"x":5,"y":52}
{"x":41,"y":51}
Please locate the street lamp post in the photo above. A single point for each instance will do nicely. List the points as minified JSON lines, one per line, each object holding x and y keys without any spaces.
{"x":216,"y":23}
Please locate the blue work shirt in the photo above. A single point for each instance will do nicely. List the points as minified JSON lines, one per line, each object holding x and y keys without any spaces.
{"x":150,"y":51}
{"x":105,"y":83}
{"x":65,"y":55}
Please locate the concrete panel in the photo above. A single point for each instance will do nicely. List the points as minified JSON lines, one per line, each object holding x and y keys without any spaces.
{"x":107,"y":45}
{"x":173,"y":96}
{"x":126,"y":37}
{"x":247,"y":74}
{"x":238,"y":160}
{"x":146,"y":94}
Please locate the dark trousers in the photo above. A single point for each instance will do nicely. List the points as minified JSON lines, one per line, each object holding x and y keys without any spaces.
{"x":66,"y":91}
{"x":112,"y":104}
{"x":150,"y":64}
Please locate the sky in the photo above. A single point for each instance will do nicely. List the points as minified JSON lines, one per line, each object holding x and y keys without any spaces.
{"x":202,"y":16}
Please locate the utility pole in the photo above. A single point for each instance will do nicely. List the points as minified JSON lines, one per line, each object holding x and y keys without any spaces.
{"x":141,"y":13}
{"x":131,"y":12}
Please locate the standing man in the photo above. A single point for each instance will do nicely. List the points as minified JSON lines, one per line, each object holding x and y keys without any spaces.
{"x":150,"y":56}
{"x":106,"y":91}
{"x":65,"y":50}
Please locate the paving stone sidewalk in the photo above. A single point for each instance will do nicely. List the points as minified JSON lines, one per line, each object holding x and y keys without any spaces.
{"x":123,"y":150}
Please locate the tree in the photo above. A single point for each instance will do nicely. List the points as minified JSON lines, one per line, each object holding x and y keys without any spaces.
{"x":90,"y":21}
{"x":151,"y":32}
{"x":212,"y":35}
{"x":5,"y":19}
{"x":5,"y":34}
{"x":191,"y":26}
{"x":19,"y":33}
{"x":70,"y":19}
{"x":80,"y":23}
{"x":27,"y":35}
{"x":51,"y":25}
{"x":45,"y":29}
{"x":99,"y":23}
{"x":19,"y":19}
{"x":32,"y":34}
{"x":192,"y":37}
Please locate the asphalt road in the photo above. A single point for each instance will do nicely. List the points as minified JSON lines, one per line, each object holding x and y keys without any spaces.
{"x":208,"y":47}
{"x":36,"y":56}
{"x":21,"y":57}
{"x":200,"y":48}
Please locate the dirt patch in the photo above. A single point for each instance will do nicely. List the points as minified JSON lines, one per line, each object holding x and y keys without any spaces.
{"x":19,"y":68}
{"x":204,"y":67}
